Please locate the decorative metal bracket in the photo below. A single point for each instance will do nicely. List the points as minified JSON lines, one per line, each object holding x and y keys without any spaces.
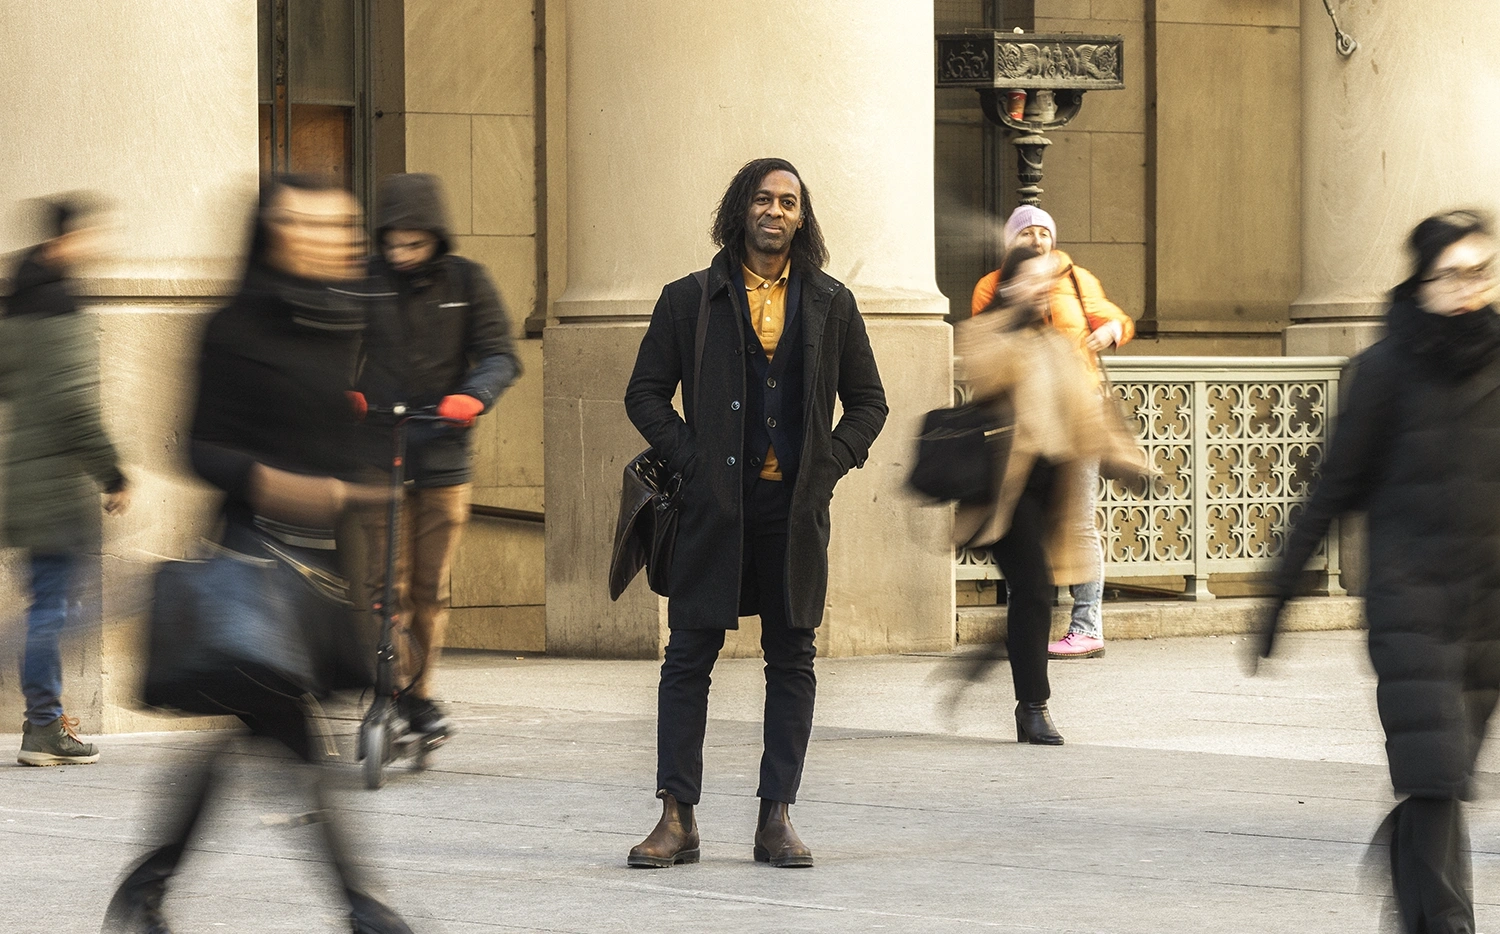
{"x":1001,"y":64}
{"x":1343,"y":41}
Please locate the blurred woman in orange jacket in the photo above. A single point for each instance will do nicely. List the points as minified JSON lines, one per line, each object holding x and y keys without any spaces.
{"x":1092,"y":323}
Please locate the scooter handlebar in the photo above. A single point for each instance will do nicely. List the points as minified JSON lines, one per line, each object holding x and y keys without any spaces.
{"x":401,"y":412}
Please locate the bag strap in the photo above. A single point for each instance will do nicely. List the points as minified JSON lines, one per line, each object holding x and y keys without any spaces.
{"x":1083,"y":303}
{"x":1109,"y":386}
{"x":701,"y":333}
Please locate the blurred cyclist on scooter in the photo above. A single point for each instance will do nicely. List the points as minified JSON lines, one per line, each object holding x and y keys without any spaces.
{"x":445,"y":342}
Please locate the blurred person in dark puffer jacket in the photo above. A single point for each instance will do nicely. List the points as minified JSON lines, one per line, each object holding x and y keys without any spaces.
{"x":1417,"y":448}
{"x":58,"y":458}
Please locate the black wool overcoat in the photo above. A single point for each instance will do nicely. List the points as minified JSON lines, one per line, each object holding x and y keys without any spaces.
{"x":1417,"y":447}
{"x":705,"y":590}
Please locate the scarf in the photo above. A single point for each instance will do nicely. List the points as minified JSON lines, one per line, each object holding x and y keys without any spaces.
{"x":1453,"y":344}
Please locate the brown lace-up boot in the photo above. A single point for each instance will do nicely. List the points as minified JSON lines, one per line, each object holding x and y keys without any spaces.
{"x":675,"y":839}
{"x":776,"y":841}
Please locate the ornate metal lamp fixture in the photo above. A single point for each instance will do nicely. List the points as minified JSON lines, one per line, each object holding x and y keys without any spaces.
{"x":1030,"y":84}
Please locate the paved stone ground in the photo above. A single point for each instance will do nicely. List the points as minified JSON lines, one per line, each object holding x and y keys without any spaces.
{"x":1189,"y":798}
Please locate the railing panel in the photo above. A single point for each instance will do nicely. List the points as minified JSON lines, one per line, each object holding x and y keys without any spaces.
{"x":1236,"y":443}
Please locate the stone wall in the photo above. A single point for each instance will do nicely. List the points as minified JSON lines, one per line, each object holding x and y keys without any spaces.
{"x":1399,"y":130}
{"x":657,"y":123}
{"x":471,"y":118}
{"x":1227,"y":173}
{"x":152,"y":103}
{"x":1181,"y":192}
{"x":1096,"y":181}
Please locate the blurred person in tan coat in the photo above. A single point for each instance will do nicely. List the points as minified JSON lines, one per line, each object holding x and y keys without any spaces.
{"x":1079,"y":310}
{"x":1011,"y":351}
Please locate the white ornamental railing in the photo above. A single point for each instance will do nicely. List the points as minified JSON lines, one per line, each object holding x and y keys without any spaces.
{"x":1236,"y":442}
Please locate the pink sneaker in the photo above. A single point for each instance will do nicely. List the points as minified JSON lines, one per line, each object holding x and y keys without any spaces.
{"x":1076,"y":645}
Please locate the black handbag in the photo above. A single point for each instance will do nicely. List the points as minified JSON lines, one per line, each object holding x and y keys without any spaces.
{"x":962,"y":449}
{"x":646,"y":529}
{"x":276,"y":619}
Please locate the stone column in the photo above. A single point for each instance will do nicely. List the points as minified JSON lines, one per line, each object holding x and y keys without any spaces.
{"x":665,"y":102}
{"x":152,"y":103}
{"x":1399,"y":131}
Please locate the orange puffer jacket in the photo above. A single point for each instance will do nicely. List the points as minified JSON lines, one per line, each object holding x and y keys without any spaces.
{"x":1078,"y":306}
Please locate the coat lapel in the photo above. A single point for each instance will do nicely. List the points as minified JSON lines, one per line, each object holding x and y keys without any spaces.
{"x":813,"y":306}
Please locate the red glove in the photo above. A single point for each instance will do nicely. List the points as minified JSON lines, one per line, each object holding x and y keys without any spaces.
{"x":358,"y":404}
{"x":460,"y":408}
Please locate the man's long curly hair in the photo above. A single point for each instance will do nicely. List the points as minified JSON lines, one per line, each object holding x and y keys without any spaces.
{"x":728,"y":230}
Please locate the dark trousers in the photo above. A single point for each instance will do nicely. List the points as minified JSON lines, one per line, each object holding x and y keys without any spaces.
{"x":1023,"y":560}
{"x":282,"y":719}
{"x":1430,"y":866}
{"x":682,"y":698}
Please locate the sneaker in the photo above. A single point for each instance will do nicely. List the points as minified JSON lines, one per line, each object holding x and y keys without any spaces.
{"x":56,"y":743}
{"x":423,"y":716}
{"x":1076,"y":645}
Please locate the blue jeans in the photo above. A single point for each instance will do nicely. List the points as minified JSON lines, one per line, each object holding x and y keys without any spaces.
{"x":1087,"y":597}
{"x":41,"y":665}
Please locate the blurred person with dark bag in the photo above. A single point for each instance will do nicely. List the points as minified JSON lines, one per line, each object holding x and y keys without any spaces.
{"x":443,"y":342}
{"x":1416,"y":447}
{"x":760,"y":455}
{"x":273,"y":429}
{"x":1079,"y":310}
{"x":58,"y":458}
{"x":1010,"y":356}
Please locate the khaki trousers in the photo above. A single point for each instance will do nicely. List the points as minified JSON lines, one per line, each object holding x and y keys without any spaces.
{"x":432,"y":521}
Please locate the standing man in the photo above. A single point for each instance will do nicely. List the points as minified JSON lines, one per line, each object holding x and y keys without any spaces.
{"x":1093,"y":323}
{"x":57,"y":460}
{"x":444,"y":342}
{"x":759,"y":455}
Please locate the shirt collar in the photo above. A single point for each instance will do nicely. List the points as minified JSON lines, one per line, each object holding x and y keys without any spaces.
{"x":753,"y":281}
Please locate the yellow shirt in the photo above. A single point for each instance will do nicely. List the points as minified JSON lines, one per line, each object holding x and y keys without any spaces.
{"x":767,"y":301}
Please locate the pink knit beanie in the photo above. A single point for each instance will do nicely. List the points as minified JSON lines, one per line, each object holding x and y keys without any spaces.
{"x":1028,"y":215}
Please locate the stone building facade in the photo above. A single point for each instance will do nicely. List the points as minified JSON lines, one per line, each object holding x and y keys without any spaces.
{"x":1245,"y":194}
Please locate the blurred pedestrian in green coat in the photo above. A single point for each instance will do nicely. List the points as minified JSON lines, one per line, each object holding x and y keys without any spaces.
{"x":58,"y":459}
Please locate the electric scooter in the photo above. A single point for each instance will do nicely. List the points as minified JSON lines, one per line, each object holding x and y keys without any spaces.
{"x":383,"y":734}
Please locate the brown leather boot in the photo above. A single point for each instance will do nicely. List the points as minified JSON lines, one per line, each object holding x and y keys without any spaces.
{"x":675,"y":839}
{"x":776,"y":841}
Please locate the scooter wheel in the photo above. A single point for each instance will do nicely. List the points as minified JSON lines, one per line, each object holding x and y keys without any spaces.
{"x":377,"y":750}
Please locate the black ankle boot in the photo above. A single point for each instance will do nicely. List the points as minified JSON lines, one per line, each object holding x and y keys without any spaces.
{"x":673,"y":841}
{"x":136,"y":908}
{"x":1034,"y":725}
{"x":369,"y":915}
{"x":776,"y":841}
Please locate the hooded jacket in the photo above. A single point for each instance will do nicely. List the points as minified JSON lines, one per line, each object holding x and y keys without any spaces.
{"x":1079,"y":307}
{"x":445,"y":332}
{"x":57,"y":455}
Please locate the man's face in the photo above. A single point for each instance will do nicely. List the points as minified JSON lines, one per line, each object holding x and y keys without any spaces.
{"x":775,"y":214}
{"x":315,"y":234}
{"x":1037,"y":237}
{"x":1462,"y":279}
{"x":408,"y":250}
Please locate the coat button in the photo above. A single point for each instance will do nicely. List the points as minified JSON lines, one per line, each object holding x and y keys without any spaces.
{"x":754,"y":462}
{"x":729,"y":460}
{"x":750,"y":348}
{"x":770,"y":423}
{"x":771,"y":382}
{"x":735,"y":406}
